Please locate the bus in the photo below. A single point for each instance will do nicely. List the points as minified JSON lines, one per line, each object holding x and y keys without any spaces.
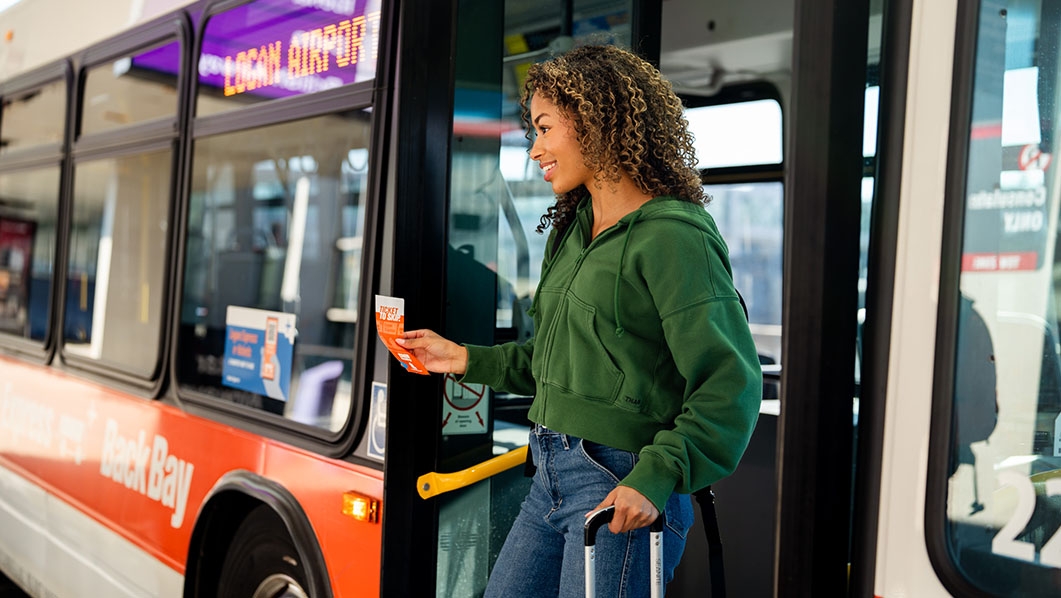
{"x":201,"y":202}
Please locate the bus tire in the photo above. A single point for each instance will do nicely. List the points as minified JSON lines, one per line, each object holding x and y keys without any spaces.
{"x":262,"y":560}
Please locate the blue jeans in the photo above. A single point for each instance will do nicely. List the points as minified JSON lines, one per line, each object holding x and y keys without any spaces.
{"x":543,"y":554}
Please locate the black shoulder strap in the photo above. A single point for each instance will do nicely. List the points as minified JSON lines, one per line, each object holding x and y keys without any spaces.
{"x":743,"y":305}
{"x":706,"y":498}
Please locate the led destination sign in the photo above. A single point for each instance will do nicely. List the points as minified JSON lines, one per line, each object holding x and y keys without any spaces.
{"x":270,"y":49}
{"x":318,"y":51}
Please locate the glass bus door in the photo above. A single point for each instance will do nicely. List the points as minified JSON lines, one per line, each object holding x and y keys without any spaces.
{"x":493,"y":253}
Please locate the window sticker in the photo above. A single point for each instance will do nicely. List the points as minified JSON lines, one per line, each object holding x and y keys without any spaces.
{"x":377,"y":422}
{"x":465,"y":408}
{"x":259,"y":345}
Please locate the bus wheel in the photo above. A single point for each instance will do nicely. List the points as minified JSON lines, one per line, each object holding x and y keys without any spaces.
{"x":262,"y":561}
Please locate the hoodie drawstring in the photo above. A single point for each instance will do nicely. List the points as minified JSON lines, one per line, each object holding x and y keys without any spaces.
{"x":619,"y":330}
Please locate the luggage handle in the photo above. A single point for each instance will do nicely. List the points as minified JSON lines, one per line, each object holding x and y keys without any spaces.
{"x":601,"y":517}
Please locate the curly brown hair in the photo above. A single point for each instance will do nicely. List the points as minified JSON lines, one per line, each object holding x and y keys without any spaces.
{"x":628,"y":120}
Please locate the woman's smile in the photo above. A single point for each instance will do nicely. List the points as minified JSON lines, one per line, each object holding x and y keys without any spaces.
{"x":548,"y":167}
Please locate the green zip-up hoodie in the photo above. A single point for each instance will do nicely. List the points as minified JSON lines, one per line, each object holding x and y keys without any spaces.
{"x":641,"y":344}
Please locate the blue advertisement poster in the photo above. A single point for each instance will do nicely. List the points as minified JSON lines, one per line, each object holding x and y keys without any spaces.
{"x":259,"y":345}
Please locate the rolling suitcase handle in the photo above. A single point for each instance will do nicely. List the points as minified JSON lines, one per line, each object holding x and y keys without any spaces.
{"x":600,"y":518}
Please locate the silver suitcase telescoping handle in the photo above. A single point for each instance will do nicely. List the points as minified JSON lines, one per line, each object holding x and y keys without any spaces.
{"x":600,"y":518}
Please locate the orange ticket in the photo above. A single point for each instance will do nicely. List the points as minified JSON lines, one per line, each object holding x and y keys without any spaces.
{"x":390,"y":324}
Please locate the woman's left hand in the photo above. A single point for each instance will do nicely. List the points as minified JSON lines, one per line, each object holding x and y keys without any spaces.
{"x":632,"y":509}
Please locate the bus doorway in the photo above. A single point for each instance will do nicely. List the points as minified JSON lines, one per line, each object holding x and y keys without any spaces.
{"x":493,"y":252}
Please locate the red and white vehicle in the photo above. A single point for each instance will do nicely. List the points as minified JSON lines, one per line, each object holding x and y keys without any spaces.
{"x":201,"y":201}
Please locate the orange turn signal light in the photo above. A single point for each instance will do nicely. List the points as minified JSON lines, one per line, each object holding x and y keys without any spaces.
{"x":360,"y":507}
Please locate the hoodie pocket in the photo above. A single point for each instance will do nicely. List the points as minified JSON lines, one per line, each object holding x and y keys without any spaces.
{"x":578,"y":363}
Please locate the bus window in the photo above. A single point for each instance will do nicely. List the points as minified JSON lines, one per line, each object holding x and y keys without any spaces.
{"x":275,"y":226}
{"x":119,"y":224}
{"x":32,"y":123}
{"x":739,"y":148}
{"x":29,"y":202}
{"x":33,"y":118}
{"x":1004,"y":464}
{"x":131,"y":90}
{"x":117,"y":260}
{"x":745,"y":133}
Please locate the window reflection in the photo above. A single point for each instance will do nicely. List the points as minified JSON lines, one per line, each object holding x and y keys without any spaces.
{"x":29,"y":203}
{"x":131,"y":89}
{"x":1002,"y":505}
{"x":275,"y":230}
{"x":35,"y":117}
{"x":117,"y":261}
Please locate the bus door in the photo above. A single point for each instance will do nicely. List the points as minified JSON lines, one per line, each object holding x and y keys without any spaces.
{"x":972,"y":400}
{"x":492,"y":253}
{"x":992,"y":512}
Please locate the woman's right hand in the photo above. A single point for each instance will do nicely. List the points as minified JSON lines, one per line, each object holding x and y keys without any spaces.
{"x":435,"y":352}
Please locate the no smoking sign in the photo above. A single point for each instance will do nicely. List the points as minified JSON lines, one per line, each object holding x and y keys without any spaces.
{"x":1033,"y":158}
{"x":464,"y":410}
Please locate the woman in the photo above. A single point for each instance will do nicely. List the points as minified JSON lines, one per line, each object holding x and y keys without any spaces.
{"x":646,"y":379}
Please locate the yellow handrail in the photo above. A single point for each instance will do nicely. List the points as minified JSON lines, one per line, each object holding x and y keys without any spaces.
{"x":432,"y":483}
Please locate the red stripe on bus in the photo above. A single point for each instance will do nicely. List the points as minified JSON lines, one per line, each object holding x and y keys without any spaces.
{"x":988,"y":131}
{"x":120,"y":460}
